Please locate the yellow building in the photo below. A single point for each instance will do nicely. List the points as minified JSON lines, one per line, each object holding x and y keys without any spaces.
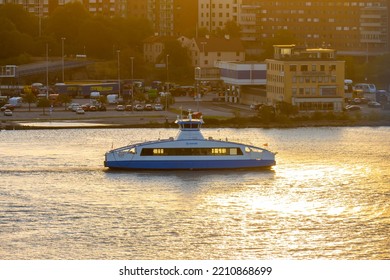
{"x":311,"y":79}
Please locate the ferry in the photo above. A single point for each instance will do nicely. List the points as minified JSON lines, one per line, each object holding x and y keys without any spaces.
{"x":189,"y":150}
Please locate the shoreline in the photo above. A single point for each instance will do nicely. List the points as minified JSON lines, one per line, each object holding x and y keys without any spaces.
{"x":158,"y":122}
{"x":215,"y":115}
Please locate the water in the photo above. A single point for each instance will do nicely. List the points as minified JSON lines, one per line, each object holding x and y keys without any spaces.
{"x":327,"y":198}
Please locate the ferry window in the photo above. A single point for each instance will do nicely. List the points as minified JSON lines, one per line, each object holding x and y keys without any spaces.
{"x":233,"y":151}
{"x":218,"y":151}
{"x":158,"y":151}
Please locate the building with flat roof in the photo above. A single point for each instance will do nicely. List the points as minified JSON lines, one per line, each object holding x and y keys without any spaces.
{"x":310,"y":78}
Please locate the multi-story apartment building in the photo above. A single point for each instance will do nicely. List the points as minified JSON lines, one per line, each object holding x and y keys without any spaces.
{"x":38,"y":7}
{"x":172,"y":17}
{"x":356,"y":27}
{"x":213,"y":14}
{"x":312,"y":79}
{"x":206,"y":51}
{"x":352,"y":27}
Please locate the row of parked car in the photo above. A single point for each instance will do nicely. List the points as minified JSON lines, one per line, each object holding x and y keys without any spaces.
{"x":355,"y":105}
{"x":140,"y":107}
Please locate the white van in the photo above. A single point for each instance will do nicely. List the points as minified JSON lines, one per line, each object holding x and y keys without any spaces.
{"x":16,"y":101}
{"x":366,"y":88}
{"x":94,"y":95}
{"x":112,"y":99}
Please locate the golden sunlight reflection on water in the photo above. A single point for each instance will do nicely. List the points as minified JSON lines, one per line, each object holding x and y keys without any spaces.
{"x":328,"y":197}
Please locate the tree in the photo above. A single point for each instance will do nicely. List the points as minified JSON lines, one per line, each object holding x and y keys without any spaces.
{"x":43,"y":103}
{"x":231,"y":28}
{"x":29,"y":98}
{"x":287,"y":108}
{"x":65,"y":21}
{"x":97,"y":38}
{"x":179,"y":61}
{"x":23,"y":21}
{"x":65,"y":99}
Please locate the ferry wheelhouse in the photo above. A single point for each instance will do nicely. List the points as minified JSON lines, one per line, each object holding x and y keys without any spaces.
{"x":189,"y":150}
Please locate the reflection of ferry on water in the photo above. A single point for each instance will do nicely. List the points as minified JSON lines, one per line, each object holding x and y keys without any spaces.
{"x":189,"y":150}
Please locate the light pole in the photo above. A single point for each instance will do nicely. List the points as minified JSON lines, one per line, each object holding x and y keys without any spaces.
{"x":63,"y":71}
{"x":132,"y":82}
{"x":47,"y":71}
{"x":119,"y":75}
{"x":198,"y":77}
{"x":166,"y":94}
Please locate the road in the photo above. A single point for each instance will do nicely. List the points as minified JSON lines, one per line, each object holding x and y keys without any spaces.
{"x":111,"y":116}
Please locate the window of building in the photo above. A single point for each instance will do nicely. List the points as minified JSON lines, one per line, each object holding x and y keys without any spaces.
{"x":294,"y":91}
{"x":304,"y":68}
{"x":293,"y":68}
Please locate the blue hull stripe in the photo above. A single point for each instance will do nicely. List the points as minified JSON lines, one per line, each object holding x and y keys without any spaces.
{"x":187,"y":164}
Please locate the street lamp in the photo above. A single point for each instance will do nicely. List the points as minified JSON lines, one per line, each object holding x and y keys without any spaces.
{"x":198,"y":80}
{"x":63,"y":71}
{"x":47,"y":71}
{"x":132,"y":82}
{"x":166,"y":94}
{"x":119,"y":75}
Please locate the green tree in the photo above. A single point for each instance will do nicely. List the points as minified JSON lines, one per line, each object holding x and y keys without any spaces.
{"x":29,"y":98}
{"x":66,"y":21}
{"x":97,"y":38}
{"x":231,"y":28}
{"x":23,"y":21}
{"x":179,"y":61}
{"x":65,"y":99}
{"x":286,"y":108}
{"x":43,"y":103}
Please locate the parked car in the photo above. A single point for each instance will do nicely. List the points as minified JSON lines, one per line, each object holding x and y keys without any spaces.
{"x":92,"y":108}
{"x":86,"y":106}
{"x":374,"y":104}
{"x":7,"y":106}
{"x":8,"y":113}
{"x":73,"y":106}
{"x":350,"y":108}
{"x":101,"y":107}
{"x":128,"y":108}
{"x":158,"y":107}
{"x":148,"y":107}
{"x":80,"y":111}
{"x":139,"y":107}
{"x":120,"y":108}
{"x":255,"y":107}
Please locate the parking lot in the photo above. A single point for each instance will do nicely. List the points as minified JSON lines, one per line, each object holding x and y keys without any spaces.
{"x":111,"y":116}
